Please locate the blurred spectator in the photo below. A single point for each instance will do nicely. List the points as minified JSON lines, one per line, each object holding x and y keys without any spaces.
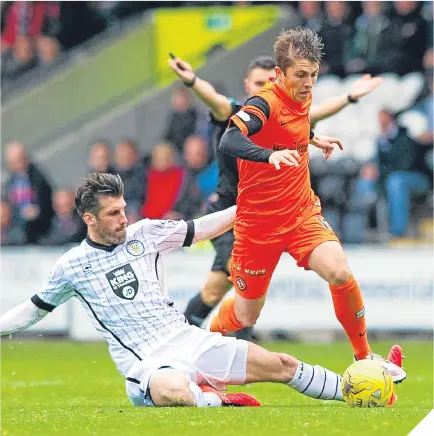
{"x":396,"y":172}
{"x":28,"y":35}
{"x":182,"y":119}
{"x":425,"y":105}
{"x":391,"y":42}
{"x":133,"y":173}
{"x":67,"y":227}
{"x":413,"y":36}
{"x":100,"y":158}
{"x":204,"y":173}
{"x":76,"y":23}
{"x":29,"y":193}
{"x":311,"y":15}
{"x":364,"y":45}
{"x":336,"y":34}
{"x":48,"y":49}
{"x":11,"y":233}
{"x":170,"y":193}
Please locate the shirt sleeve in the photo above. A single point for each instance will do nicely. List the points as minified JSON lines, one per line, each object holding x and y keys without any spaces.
{"x":168,"y":235}
{"x":57,"y":290}
{"x":252,"y":116}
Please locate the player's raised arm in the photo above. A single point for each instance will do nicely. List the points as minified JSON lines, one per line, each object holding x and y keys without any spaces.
{"x":57,"y":290}
{"x":214,"y":224}
{"x":248,"y":121}
{"x":330,"y":106}
{"x":168,"y":235}
{"x":21,"y":317}
{"x":219,"y":104}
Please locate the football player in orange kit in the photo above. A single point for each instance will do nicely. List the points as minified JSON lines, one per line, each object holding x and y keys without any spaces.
{"x":277,"y":211}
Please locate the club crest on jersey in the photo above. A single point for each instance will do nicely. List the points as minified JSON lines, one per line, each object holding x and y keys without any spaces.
{"x":135,"y":247}
{"x":123,"y":282}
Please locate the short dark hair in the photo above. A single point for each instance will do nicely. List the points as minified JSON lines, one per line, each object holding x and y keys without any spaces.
{"x":264,"y":62}
{"x":95,"y":186}
{"x":298,"y":43}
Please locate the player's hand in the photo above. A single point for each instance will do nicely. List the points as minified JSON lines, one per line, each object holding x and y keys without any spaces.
{"x":364,"y":85}
{"x":286,"y":157}
{"x":326,"y":144}
{"x":185,"y":73}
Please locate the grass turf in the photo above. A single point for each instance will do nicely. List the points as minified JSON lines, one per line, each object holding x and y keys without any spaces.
{"x":66,"y":388}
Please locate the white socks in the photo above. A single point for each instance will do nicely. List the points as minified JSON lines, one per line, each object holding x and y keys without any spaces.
{"x":317,"y":382}
{"x":204,"y":399}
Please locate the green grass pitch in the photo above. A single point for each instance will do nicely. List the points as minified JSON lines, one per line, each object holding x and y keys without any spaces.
{"x":66,"y":388}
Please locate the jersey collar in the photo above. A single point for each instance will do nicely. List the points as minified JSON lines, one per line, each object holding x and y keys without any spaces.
{"x":94,"y":244}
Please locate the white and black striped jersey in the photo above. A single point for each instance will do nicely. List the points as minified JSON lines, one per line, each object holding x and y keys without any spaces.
{"x":122,"y":288}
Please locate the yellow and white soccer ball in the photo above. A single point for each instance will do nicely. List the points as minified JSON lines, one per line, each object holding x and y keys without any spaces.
{"x":366,"y":383}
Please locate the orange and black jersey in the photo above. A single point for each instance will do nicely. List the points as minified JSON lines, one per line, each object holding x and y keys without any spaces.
{"x":270,"y":201}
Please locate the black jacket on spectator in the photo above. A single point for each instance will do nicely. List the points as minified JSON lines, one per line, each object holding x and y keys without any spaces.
{"x":134,"y":186}
{"x":397,"y":154}
{"x":179,"y":127}
{"x":401,"y":45}
{"x":42,"y":194}
{"x":336,"y":38}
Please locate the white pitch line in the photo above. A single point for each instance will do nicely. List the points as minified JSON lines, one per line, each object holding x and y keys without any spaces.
{"x":33,"y":384}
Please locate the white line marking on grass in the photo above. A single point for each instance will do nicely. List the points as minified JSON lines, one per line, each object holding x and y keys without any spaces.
{"x":33,"y":384}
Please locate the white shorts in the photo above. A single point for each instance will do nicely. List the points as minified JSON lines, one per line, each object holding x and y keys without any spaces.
{"x":205,"y":358}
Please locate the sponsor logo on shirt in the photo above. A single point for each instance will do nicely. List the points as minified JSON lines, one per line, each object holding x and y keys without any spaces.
{"x":123,"y":282}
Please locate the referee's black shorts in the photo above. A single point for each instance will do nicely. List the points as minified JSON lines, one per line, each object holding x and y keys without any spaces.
{"x":224,"y":243}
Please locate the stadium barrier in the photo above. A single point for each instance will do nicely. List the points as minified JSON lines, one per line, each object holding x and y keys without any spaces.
{"x":397,"y":285}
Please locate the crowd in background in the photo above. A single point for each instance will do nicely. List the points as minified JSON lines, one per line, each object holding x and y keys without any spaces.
{"x":177,"y":178}
{"x":362,"y":36}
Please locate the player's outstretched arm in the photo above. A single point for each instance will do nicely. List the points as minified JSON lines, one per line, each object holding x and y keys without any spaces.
{"x":326,"y":144}
{"x":21,"y":317}
{"x":220,"y":106}
{"x":330,"y":106}
{"x":214,"y":224}
{"x":236,"y":144}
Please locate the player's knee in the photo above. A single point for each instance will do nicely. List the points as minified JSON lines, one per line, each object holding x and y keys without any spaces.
{"x":339,"y":274}
{"x":215,"y":288}
{"x":170,"y":388}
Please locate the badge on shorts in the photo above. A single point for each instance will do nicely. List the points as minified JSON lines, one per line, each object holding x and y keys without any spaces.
{"x":241,"y":284}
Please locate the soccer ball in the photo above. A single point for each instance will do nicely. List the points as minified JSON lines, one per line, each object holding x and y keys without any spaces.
{"x":367,"y":384}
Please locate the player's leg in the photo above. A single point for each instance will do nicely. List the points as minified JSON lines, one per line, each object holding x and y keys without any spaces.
{"x":251,"y":271}
{"x":346,"y":295}
{"x":313,"y":381}
{"x":315,"y":246}
{"x":226,"y":361}
{"x":174,"y":375}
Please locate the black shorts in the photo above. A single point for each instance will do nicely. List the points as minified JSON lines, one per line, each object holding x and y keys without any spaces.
{"x":223,"y":245}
